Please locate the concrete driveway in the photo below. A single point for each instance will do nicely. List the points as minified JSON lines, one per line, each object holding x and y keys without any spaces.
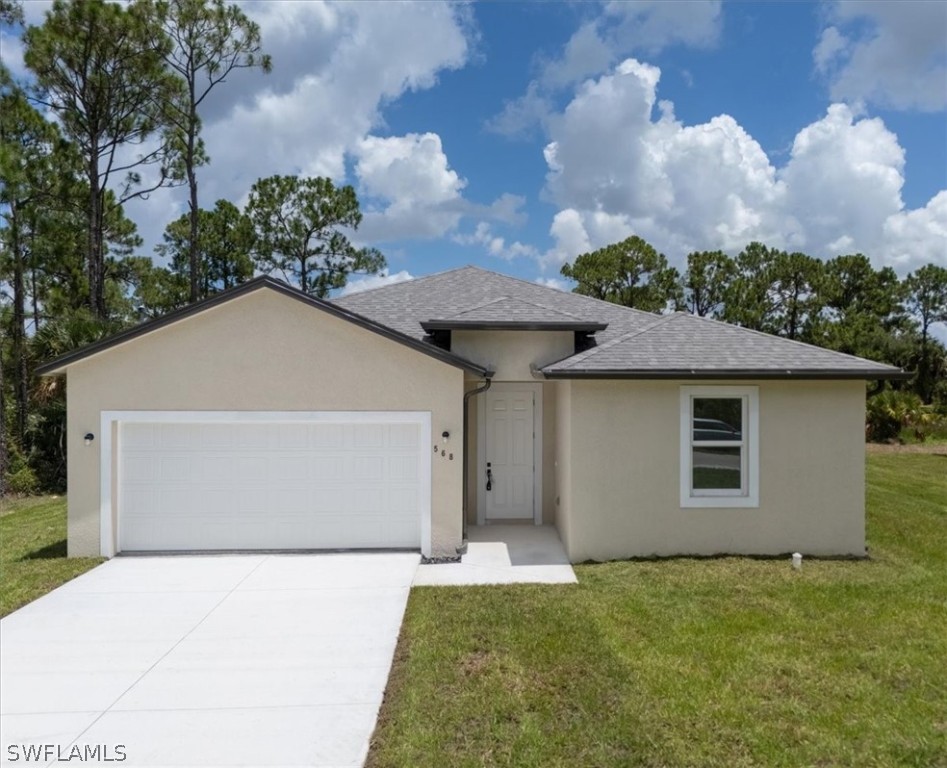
{"x":211,"y":660}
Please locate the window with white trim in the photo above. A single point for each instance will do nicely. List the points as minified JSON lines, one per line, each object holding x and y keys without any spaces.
{"x":720,"y":446}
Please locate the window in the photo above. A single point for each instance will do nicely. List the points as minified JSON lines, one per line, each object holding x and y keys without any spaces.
{"x":719,"y":446}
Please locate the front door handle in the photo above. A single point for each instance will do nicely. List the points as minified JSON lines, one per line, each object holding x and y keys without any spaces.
{"x":489,"y":478}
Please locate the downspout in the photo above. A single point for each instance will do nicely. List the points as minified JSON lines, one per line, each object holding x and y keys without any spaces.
{"x":466,"y":472}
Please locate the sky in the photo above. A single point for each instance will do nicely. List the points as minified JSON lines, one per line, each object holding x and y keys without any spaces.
{"x":516,"y":136}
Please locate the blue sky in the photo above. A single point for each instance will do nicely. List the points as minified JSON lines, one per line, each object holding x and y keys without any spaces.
{"x":517,"y":135}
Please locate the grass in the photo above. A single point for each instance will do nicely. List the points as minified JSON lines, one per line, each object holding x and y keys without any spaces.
{"x":725,"y":662}
{"x":33,"y":550}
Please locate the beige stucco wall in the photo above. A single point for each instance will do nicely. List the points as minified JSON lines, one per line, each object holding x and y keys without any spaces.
{"x":510,"y":353}
{"x":263,"y":351}
{"x":549,"y":452}
{"x":619,"y":467}
{"x":563,"y":464}
{"x":473,"y":478}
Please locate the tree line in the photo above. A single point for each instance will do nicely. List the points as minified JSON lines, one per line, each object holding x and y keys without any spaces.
{"x":110,"y":113}
{"x":843,"y":303}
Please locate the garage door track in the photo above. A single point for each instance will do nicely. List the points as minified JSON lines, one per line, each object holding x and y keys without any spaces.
{"x":206,"y":660}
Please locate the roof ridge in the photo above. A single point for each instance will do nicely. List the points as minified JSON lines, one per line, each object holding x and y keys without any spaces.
{"x":548,"y":308}
{"x":517,"y":300}
{"x":531,"y":283}
{"x":413,"y":280}
{"x":583,"y":356}
{"x":481,"y":305}
{"x":534,"y":284}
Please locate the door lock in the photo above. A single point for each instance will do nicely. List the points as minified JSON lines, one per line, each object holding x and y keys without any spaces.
{"x":489,"y":477}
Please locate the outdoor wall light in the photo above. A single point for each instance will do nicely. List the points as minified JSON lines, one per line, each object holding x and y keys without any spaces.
{"x":89,"y":437}
{"x":445,"y":436}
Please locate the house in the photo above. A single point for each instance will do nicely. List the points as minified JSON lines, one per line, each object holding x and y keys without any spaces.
{"x":262,"y":418}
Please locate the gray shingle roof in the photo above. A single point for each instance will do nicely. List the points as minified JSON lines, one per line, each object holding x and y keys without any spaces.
{"x":686,"y":345}
{"x":510,"y":308}
{"x":634,"y":343}
{"x":404,"y":306}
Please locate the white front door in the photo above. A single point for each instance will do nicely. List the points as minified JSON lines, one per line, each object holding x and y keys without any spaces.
{"x":508,"y":479}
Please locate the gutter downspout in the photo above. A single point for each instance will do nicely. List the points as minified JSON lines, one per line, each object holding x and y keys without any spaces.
{"x":466,"y":472}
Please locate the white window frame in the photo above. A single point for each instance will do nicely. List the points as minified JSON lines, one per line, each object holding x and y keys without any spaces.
{"x":749,"y":494}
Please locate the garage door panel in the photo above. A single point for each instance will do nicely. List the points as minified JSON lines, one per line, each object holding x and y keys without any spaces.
{"x":403,"y":501}
{"x":368,"y":435}
{"x":253,"y":469}
{"x":212,"y":437}
{"x":176,"y":500}
{"x":138,"y":436}
{"x":293,"y":437}
{"x":368,"y":468}
{"x":402,"y":468}
{"x":255,"y":485}
{"x":291,"y":467}
{"x":327,"y":468}
{"x":404,"y":437}
{"x":364,"y":500}
{"x":327,"y":436}
{"x":174,"y":469}
{"x":178,"y":437}
{"x":293,"y":500}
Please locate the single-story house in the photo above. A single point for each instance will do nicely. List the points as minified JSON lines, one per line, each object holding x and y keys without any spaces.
{"x":262,"y":418}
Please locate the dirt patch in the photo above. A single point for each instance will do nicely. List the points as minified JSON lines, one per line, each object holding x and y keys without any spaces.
{"x":476,"y":662}
{"x":935,"y":448}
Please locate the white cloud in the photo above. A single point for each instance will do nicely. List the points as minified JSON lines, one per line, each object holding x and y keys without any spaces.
{"x":494,"y":244}
{"x":367,"y":54}
{"x":619,"y":29}
{"x":521,"y":115}
{"x":409,"y":190}
{"x":34,"y":11}
{"x":11,"y":54}
{"x":359,"y":284}
{"x":831,"y":46}
{"x":646,"y":26}
{"x":891,"y":53}
{"x":554,"y":282}
{"x":411,"y":175}
{"x":616,"y":168}
{"x":913,"y":238}
{"x":410,"y":168}
{"x":843,"y":179}
{"x":335,"y":67}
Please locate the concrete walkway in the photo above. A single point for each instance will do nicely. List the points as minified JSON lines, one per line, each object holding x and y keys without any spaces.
{"x":504,"y":554}
{"x":250,"y":660}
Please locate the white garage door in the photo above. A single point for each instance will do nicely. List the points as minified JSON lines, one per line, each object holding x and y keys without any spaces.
{"x":321,"y":483}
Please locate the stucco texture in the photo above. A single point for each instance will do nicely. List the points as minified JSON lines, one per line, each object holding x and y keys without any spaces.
{"x":259,"y":352}
{"x":619,"y":468}
{"x":510,"y":353}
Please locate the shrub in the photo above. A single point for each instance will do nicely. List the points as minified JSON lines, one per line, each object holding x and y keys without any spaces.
{"x":22,"y":482}
{"x":889,"y":412}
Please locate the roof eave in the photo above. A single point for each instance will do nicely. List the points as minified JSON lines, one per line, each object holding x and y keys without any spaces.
{"x":741,"y":373}
{"x":59,"y":364}
{"x":510,"y":325}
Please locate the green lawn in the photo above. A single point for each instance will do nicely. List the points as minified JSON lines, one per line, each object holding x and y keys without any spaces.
{"x":728,"y":662}
{"x":33,"y":550}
